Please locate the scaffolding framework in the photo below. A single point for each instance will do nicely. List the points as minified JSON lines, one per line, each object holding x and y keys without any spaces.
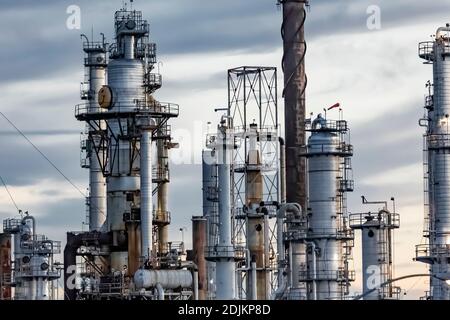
{"x":252,"y":102}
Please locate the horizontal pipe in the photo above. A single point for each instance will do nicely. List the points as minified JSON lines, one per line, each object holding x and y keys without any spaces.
{"x":168,"y":279}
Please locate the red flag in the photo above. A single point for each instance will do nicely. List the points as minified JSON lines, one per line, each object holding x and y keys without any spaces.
{"x":337,"y":105}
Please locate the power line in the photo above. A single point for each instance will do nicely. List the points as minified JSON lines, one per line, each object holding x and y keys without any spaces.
{"x":43,"y":155}
{"x":46,"y":158}
{"x":9,"y":193}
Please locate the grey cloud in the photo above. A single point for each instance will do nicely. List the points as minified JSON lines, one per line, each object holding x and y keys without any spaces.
{"x":20,"y":164}
{"x":179,"y":27}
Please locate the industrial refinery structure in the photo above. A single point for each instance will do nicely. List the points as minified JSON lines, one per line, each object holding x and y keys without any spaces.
{"x":436,"y":250}
{"x":275,"y":223}
{"x":30,"y":268}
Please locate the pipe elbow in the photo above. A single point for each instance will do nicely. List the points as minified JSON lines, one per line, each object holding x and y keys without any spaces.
{"x":290,"y":207}
{"x":441,"y":30}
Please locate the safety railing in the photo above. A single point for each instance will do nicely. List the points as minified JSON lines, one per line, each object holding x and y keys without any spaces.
{"x":212,"y":194}
{"x":429,"y":102}
{"x":153,"y":81}
{"x":145,"y":108}
{"x":147,"y":50}
{"x":241,"y":166}
{"x":334,"y":233}
{"x":326,"y":125}
{"x":43,"y":270}
{"x":338,"y":148}
{"x":265,"y":133}
{"x":386,"y":219}
{"x":231,"y":252}
{"x":11,"y":225}
{"x":438,"y":141}
{"x":122,"y":19}
{"x":340,"y":275}
{"x":346,"y":185}
{"x":425,"y":251}
{"x":157,"y":108}
{"x":426,"y":50}
{"x":94,"y":45}
{"x":161,"y":217}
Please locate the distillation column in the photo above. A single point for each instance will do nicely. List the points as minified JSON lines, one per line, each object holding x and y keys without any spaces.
{"x":437,"y":252}
{"x":125,"y":75}
{"x":256,"y":228}
{"x":327,"y":231}
{"x":34,"y":269}
{"x":128,"y":120}
{"x":162,"y":215}
{"x":377,"y":251}
{"x":95,"y":63}
{"x":223,"y":253}
{"x":210,"y":212}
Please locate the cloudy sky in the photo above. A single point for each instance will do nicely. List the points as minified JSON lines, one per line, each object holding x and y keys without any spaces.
{"x":375,"y":75}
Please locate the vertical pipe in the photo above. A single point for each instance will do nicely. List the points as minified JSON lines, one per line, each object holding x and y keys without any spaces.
{"x":146,"y":194}
{"x":129,"y":47}
{"x":280,"y":248}
{"x":282,"y":171}
{"x":294,"y":48}
{"x":161,"y":210}
{"x":97,"y":182}
{"x":196,"y":286}
{"x":254,"y":295}
{"x":257,"y":230}
{"x":133,"y":247}
{"x":266,"y":255}
{"x":225,"y":266}
{"x":314,"y":270}
{"x":209,"y":187}
{"x":198,"y":243}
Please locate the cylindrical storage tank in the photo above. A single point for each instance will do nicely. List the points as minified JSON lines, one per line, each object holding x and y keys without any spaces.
{"x":168,"y":279}
{"x":126,"y":80}
{"x":323,"y":180}
{"x":198,"y":247}
{"x":373,"y":259}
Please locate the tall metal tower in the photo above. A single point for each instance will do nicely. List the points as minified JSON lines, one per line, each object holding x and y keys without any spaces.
{"x":252,"y":104}
{"x":436,"y":252}
{"x":329,"y":237}
{"x":34,"y":269}
{"x":210,"y":207}
{"x":222,"y":250}
{"x":295,"y":81}
{"x":93,"y":146}
{"x":377,"y":249}
{"x":128,"y":239}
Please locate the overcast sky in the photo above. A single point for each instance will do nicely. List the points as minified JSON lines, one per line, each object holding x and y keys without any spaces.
{"x":375,"y":75}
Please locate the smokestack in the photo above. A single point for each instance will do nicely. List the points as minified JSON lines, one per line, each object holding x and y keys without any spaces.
{"x":294,"y":46}
{"x":198,"y":246}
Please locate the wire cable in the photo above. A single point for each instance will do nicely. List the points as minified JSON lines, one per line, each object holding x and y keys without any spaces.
{"x":46,"y":158}
{"x":9,"y":193}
